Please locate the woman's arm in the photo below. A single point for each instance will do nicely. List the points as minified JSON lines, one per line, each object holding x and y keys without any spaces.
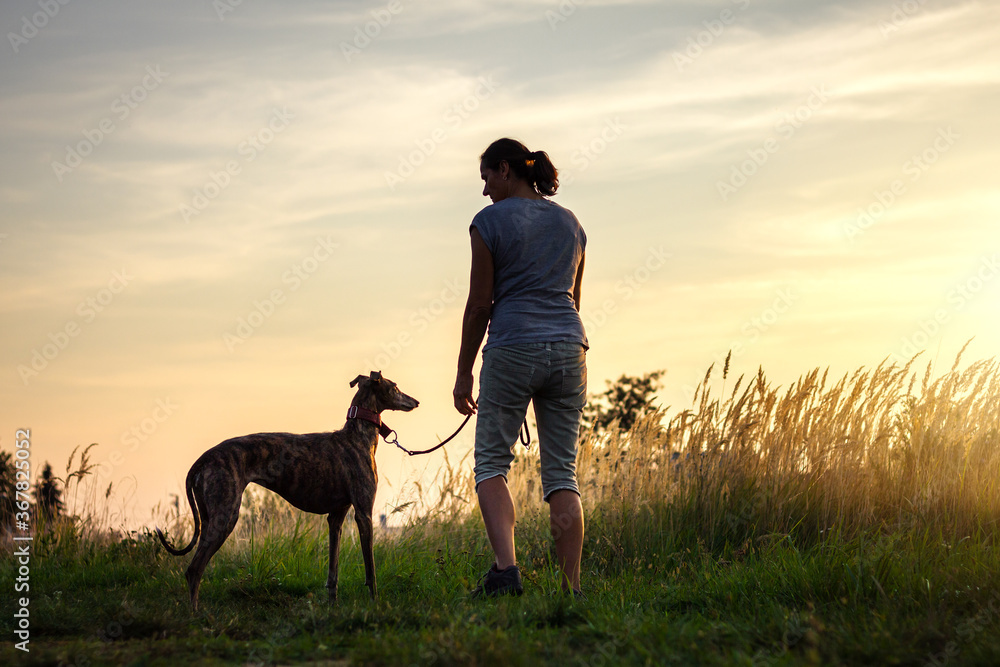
{"x":579,"y":283}
{"x":474,"y":322}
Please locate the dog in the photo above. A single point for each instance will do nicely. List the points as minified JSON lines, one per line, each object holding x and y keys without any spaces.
{"x":322,"y":473}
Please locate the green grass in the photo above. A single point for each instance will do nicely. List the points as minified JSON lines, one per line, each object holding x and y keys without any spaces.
{"x":878,"y":599}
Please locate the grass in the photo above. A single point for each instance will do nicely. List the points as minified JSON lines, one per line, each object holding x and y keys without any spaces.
{"x":832,"y":522}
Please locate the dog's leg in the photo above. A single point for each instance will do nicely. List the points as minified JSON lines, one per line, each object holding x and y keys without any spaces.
{"x":363,"y":517}
{"x":336,"y":521}
{"x":219,"y":500}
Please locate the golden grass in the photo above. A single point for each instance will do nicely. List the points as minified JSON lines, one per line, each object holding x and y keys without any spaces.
{"x":885,"y":449}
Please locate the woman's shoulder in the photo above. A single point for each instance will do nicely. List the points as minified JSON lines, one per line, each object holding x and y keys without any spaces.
{"x":501,"y":209}
{"x":505,"y":208}
{"x":562,"y":212}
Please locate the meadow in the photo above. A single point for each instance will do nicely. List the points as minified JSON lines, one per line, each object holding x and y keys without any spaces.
{"x":847,"y":520}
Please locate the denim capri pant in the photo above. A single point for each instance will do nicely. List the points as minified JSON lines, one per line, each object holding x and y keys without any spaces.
{"x":554,"y":377}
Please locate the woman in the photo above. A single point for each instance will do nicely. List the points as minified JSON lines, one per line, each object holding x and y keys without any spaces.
{"x":527,"y":269}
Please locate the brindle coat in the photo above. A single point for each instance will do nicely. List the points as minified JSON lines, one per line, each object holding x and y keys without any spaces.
{"x":322,"y":473}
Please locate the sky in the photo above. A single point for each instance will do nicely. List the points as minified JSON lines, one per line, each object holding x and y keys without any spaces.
{"x":215,"y":214}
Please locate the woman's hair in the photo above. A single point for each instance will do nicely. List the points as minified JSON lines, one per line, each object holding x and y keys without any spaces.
{"x":535,"y":167}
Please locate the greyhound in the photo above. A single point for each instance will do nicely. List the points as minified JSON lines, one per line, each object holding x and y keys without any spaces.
{"x":322,"y":473}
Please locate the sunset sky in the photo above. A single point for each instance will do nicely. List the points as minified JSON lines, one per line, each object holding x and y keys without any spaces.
{"x":215,"y":214}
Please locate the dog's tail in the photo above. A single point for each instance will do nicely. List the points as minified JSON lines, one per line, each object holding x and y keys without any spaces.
{"x":197,"y":526}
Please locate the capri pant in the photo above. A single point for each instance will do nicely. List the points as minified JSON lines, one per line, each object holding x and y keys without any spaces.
{"x":554,"y":377}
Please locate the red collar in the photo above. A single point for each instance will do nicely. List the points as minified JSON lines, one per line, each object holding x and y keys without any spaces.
{"x":358,"y":412}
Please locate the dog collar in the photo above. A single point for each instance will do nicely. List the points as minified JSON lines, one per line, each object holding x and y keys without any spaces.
{"x":358,"y":412}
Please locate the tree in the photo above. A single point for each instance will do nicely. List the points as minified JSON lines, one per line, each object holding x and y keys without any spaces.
{"x":8,"y":491}
{"x":626,"y":400}
{"x":48,"y":495}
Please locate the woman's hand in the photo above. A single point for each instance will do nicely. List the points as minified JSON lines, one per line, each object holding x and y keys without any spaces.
{"x":464,"y":402}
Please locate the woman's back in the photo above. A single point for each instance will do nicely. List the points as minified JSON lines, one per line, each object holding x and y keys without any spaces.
{"x":537,"y":247}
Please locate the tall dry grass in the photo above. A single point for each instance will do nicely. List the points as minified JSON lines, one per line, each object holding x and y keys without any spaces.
{"x":887,"y":450}
{"x":88,"y":509}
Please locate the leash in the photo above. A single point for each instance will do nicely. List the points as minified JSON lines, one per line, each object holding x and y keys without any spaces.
{"x":357,"y":412}
{"x":441,"y":444}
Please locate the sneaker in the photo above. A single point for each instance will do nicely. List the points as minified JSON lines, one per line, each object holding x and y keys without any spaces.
{"x":499,"y":582}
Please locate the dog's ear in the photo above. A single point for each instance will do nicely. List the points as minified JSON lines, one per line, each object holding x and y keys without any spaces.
{"x":358,"y":379}
{"x":376,"y":376}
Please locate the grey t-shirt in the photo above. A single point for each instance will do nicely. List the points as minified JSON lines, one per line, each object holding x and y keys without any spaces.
{"x":537,"y":246}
